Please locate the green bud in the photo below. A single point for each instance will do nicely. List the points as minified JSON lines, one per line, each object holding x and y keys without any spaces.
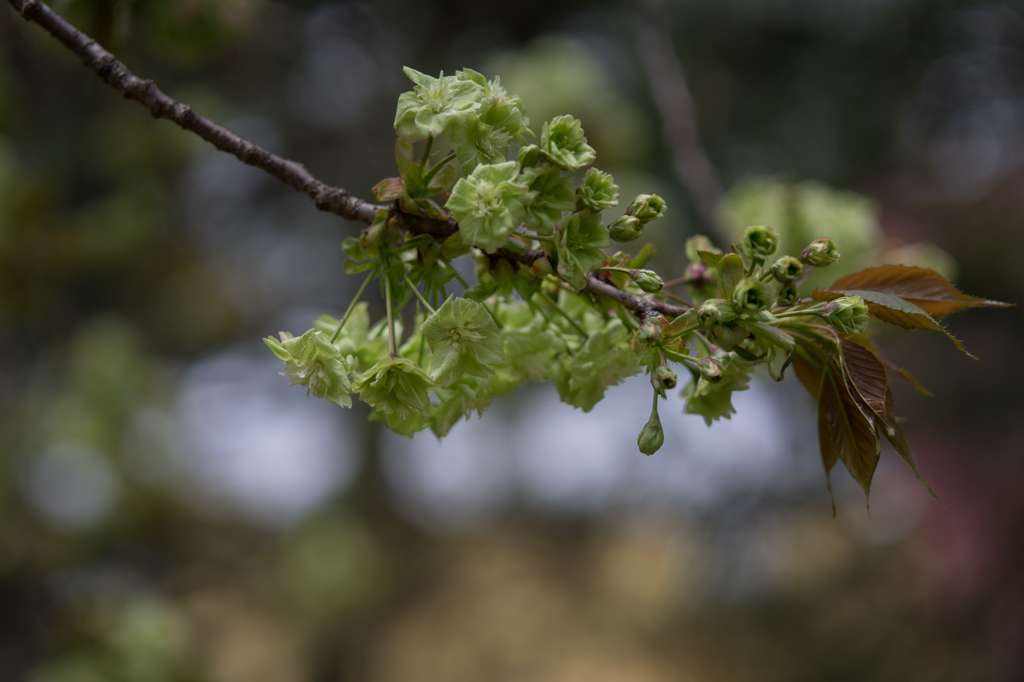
{"x":787,"y":269}
{"x":648,"y":280}
{"x":710,"y":370}
{"x":664,"y":378}
{"x":649,"y":331}
{"x":751,"y":296}
{"x":529,"y":156}
{"x":788,"y":295}
{"x":598,"y":190}
{"x":652,"y":437}
{"x":626,"y":229}
{"x":820,"y":252}
{"x":760,"y":241}
{"x":848,"y":314}
{"x":647,"y":207}
{"x":715,"y":311}
{"x":728,"y":336}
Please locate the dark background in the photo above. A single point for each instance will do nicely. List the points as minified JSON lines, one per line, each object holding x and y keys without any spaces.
{"x":171,"y":510}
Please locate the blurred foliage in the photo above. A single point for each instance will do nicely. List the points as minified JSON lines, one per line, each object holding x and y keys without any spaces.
{"x":133,"y":260}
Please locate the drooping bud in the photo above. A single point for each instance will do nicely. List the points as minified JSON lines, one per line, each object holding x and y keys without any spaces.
{"x":848,"y":314}
{"x":649,"y":331}
{"x":648,"y":280}
{"x":710,"y":370}
{"x":652,"y":437}
{"x":820,"y":252}
{"x":788,"y":295}
{"x":760,"y":241}
{"x":664,"y":378}
{"x":626,"y":229}
{"x":529,"y":156}
{"x":715,"y":311}
{"x":787,"y":269}
{"x":647,"y":207}
{"x":751,"y":296}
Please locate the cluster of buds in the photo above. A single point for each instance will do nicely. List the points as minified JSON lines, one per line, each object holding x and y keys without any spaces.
{"x":643,"y":209}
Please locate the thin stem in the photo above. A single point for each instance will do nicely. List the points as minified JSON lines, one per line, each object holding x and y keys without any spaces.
{"x":420,"y":296}
{"x":426,"y":151}
{"x":681,"y":280}
{"x":456,"y":273}
{"x":351,"y":307}
{"x":537,"y":237}
{"x":564,"y":314}
{"x":433,"y":171}
{"x":676,"y":298}
{"x":391,"y":319}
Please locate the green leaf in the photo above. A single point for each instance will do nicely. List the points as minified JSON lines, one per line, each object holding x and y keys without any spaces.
{"x":579,"y":242}
{"x":711,"y":259}
{"x":713,"y":400}
{"x":730,"y":273}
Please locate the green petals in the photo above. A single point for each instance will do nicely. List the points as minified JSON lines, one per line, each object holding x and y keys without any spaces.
{"x":488,"y":205}
{"x":579,"y":243}
{"x":549,"y":196}
{"x":312,"y":361}
{"x":396,"y":386}
{"x":713,"y":399}
{"x":562,"y":141}
{"x":605,"y":360}
{"x":464,"y":341}
{"x":598,"y":191}
{"x":434,"y":104}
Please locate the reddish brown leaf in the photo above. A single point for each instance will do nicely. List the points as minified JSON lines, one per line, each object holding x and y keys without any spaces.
{"x":894,"y":434}
{"x":867,"y":375}
{"x":925,"y":288}
{"x":892,"y":309}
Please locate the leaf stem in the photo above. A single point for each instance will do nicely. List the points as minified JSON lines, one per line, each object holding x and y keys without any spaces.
{"x":564,"y":314}
{"x":391,"y":319}
{"x":433,"y":171}
{"x":426,"y":151}
{"x":351,"y":307}
{"x":420,"y":296}
{"x":456,"y":273}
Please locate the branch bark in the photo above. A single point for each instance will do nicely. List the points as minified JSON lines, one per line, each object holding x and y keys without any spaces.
{"x":327,"y":198}
{"x":678,"y":114}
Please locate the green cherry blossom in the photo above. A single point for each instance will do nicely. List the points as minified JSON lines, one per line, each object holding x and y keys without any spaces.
{"x":598,"y":190}
{"x":396,"y":386}
{"x":434,"y":104}
{"x":464,"y":341}
{"x":550,"y":195}
{"x":314,"y":362}
{"x":562,"y":141}
{"x":579,"y":242}
{"x":488,"y":204}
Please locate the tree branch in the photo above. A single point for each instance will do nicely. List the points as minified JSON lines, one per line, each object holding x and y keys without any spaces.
{"x":678,"y":114}
{"x":332,"y":199}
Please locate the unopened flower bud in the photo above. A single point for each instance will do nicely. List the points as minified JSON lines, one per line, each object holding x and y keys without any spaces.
{"x":788,"y":295}
{"x":647,"y":280}
{"x":664,"y":378}
{"x":820,"y":252}
{"x":787,"y":269}
{"x":760,"y":241}
{"x":652,"y":437}
{"x":710,"y":370}
{"x":848,"y":314}
{"x":649,"y":332}
{"x":626,"y":229}
{"x":529,"y":156}
{"x":728,"y":336}
{"x":751,"y":296}
{"x":647,"y":207}
{"x":715,"y":311}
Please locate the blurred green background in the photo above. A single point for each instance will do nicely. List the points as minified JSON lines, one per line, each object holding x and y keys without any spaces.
{"x":170,"y":510}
